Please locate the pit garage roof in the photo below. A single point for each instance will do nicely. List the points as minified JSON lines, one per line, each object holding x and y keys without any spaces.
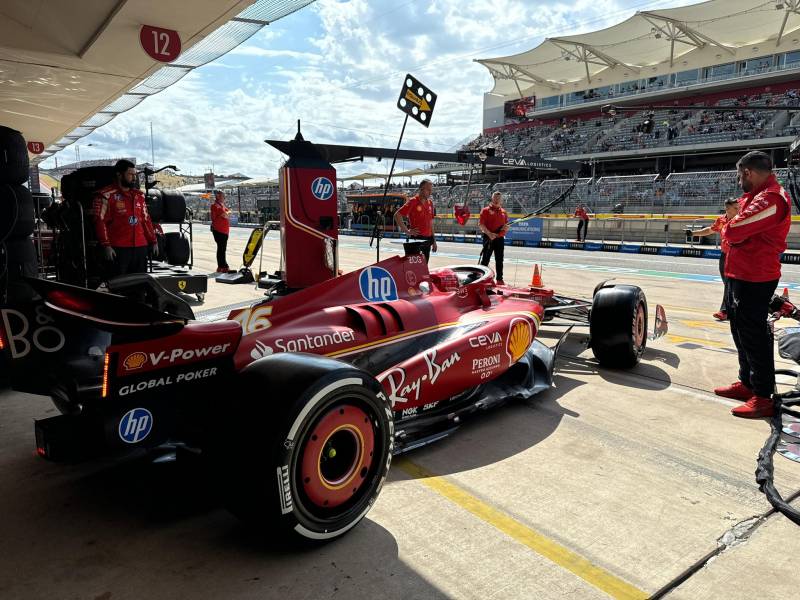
{"x":646,"y":39}
{"x":70,"y":66}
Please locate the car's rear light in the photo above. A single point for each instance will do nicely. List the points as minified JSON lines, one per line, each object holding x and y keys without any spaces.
{"x":2,"y":338}
{"x":106,"y":360}
{"x":41,"y":451}
{"x":66,"y":300}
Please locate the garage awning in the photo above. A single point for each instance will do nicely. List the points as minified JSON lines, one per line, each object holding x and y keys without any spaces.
{"x":68,"y":67}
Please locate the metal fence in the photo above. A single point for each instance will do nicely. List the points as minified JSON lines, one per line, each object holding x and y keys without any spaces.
{"x":519,"y":196}
{"x":679,"y":193}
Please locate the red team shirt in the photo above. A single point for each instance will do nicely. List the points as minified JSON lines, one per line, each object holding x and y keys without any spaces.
{"x":219,"y":219}
{"x":419,"y":214}
{"x":493,"y":218}
{"x":756,"y":237}
{"x":582,"y":214}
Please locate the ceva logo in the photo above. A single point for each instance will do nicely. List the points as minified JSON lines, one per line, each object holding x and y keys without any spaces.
{"x":322,"y":188}
{"x":377,"y":285}
{"x":135,"y":425}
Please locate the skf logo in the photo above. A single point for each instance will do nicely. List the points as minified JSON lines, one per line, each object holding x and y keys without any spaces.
{"x":520,"y":337}
{"x":135,"y":425}
{"x":322,"y":188}
{"x":135,"y":361}
{"x":377,"y":285}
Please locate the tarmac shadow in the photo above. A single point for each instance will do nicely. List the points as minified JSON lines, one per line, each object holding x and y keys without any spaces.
{"x":82,"y":531}
{"x":499,"y":433}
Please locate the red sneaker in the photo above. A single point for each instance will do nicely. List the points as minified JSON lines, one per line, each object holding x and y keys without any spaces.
{"x":735,"y":391}
{"x":755,"y":408}
{"x":720,"y":315}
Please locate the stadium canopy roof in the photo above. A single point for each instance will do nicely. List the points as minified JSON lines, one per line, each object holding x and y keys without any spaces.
{"x":645,"y":39}
{"x":69,"y":67}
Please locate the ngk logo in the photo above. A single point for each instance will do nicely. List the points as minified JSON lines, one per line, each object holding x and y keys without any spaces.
{"x":322,"y":188}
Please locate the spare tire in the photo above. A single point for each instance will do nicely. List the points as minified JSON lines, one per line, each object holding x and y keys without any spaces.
{"x":80,"y":185}
{"x":20,"y":252}
{"x":155,"y":205}
{"x":14,"y":163}
{"x":16,"y":215}
{"x":177,"y":248}
{"x":174,"y":206}
{"x":162,"y":245}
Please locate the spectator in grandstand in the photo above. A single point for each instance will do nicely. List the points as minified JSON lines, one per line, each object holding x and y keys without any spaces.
{"x":493,"y":224}
{"x":731,"y":208}
{"x":420,"y":211}
{"x":583,"y":221}
{"x":122,"y":223}
{"x":756,"y":237}
{"x":220,"y":228}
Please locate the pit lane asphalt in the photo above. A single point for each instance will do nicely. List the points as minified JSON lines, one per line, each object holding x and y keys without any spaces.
{"x":611,"y":483}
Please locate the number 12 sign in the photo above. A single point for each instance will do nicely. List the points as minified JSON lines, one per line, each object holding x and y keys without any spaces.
{"x":163,"y":45}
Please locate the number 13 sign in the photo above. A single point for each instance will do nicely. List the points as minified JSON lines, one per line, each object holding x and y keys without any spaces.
{"x":163,"y":45}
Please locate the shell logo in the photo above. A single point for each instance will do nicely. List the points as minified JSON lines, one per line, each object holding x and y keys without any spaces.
{"x":520,"y":336}
{"x":134,"y":361}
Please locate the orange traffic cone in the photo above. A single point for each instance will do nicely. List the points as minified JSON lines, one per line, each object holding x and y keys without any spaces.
{"x":786,"y":292}
{"x":536,"y":280}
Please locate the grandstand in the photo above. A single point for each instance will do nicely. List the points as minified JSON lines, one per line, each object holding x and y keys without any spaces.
{"x":717,"y":54}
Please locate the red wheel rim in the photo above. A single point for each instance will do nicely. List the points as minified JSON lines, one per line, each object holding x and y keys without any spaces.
{"x":639,"y":327}
{"x":337,"y":456}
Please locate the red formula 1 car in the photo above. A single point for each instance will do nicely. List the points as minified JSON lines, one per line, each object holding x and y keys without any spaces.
{"x":299,"y":401}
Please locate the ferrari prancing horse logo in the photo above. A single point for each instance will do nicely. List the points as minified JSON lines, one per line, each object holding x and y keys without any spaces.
{"x":181,"y":284}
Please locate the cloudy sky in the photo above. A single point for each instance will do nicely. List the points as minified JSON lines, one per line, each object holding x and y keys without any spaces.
{"x":338,"y":66}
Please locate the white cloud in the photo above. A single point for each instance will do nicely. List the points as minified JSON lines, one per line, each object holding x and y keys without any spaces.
{"x":338,"y":66}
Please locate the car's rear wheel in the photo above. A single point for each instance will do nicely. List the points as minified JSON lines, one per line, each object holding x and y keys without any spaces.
{"x":618,"y":325}
{"x":307,"y":447}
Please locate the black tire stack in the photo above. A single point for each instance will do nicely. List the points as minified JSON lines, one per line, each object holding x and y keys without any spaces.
{"x":17,"y":251}
{"x":169,"y":206}
{"x":76,"y":227}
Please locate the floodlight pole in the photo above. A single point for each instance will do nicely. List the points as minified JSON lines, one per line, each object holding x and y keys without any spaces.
{"x":376,"y":232}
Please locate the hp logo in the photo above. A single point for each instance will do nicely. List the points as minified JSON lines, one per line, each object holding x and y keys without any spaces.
{"x":377,"y":285}
{"x":136,"y":425}
{"x":322,"y":188}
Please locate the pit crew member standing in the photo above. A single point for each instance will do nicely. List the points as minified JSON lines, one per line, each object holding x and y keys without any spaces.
{"x":583,"y":223}
{"x":731,"y":208}
{"x":756,"y":237}
{"x":122,"y":223}
{"x":220,"y":228}
{"x":420,"y":212}
{"x":493,"y":223}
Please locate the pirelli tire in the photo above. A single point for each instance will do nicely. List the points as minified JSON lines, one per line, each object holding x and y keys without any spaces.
{"x":618,"y":325}
{"x":14,"y":162}
{"x":17,"y":218}
{"x":177,"y":249}
{"x":155,"y":205}
{"x":306,"y":447}
{"x":173,"y":206}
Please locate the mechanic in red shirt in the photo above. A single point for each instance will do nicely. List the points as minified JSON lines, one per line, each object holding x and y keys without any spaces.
{"x":221,"y":228}
{"x":580,"y":213}
{"x":420,"y":211}
{"x":756,"y":237}
{"x":493,"y":223}
{"x":122,"y":224}
{"x":731,"y":208}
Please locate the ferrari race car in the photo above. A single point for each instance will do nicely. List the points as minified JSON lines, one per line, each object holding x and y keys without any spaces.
{"x":299,"y":401}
